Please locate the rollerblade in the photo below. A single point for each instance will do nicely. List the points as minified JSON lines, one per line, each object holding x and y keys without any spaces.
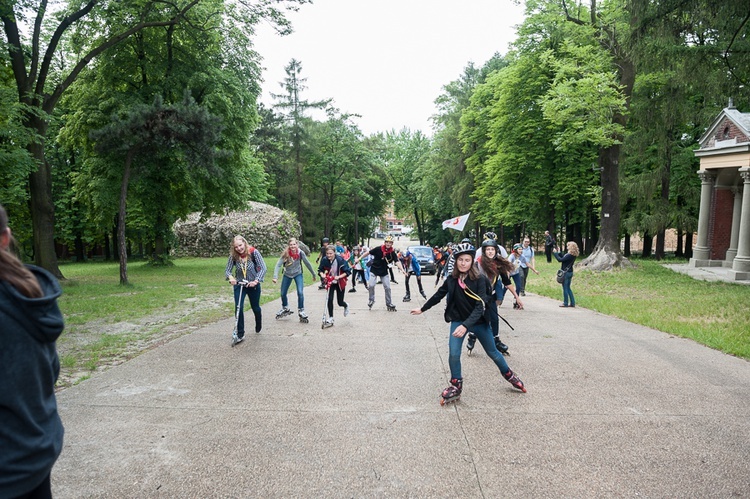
{"x":421,"y":292}
{"x":391,"y":308}
{"x":502,"y":347}
{"x":327,"y":323}
{"x":407,"y":298}
{"x":453,"y":392}
{"x":303,"y":316}
{"x":471,"y":342}
{"x":514,"y":380}
{"x":283,"y":313}
{"x":370,"y":304}
{"x":237,"y":339}
{"x":516,"y":306}
{"x":353,"y":290}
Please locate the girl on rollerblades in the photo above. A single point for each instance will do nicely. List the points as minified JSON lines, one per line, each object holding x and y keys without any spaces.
{"x":335,"y":266}
{"x":245,"y":268}
{"x":292,"y":259}
{"x":465,"y":309}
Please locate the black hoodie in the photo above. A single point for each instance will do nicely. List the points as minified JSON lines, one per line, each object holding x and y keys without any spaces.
{"x":31,"y":433}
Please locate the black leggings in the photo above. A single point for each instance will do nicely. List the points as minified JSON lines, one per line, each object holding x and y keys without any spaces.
{"x":335,"y":289}
{"x":357,"y":273}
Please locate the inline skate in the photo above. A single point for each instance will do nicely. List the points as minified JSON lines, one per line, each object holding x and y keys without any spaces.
{"x":502,"y":347}
{"x":453,"y":392}
{"x":471,"y":342}
{"x":303,"y":318}
{"x":283,"y":313}
{"x":407,"y":298}
{"x":514,"y":380}
{"x":391,"y":308}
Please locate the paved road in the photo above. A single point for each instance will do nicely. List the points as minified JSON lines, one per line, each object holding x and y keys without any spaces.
{"x":612,"y":410}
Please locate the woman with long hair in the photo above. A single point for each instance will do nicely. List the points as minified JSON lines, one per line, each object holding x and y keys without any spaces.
{"x":31,"y":433}
{"x":245,"y":271}
{"x":566,"y":264}
{"x":292,"y":259}
{"x":466,"y":290}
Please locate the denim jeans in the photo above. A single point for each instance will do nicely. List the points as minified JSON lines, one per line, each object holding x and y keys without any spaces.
{"x":253,"y":295}
{"x":299,"y":282}
{"x":517,"y":278}
{"x":567,"y":292}
{"x":484,"y":335}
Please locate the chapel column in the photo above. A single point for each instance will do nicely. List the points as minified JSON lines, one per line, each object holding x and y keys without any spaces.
{"x":741,"y":265}
{"x":736,"y":212}
{"x":701,"y":251}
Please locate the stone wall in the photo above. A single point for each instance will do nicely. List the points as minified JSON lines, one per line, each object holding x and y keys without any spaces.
{"x":264,"y":226}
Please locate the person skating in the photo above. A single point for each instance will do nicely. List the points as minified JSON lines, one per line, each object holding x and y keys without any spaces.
{"x":245,"y":271}
{"x":31,"y":432}
{"x":334,"y":270}
{"x":530,"y":263}
{"x":383,"y":257}
{"x":292,"y":259}
{"x":466,"y":291}
{"x":496,"y":270}
{"x":321,"y":256}
{"x":518,"y":260}
{"x":358,"y":268}
{"x":411,"y":265}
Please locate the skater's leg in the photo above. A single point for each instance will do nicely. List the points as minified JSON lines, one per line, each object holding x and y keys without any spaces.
{"x":387,"y":287}
{"x":484,"y":335}
{"x":299,"y":283}
{"x":408,"y":278}
{"x":494,"y":319}
{"x":253,"y":294}
{"x":371,"y":287}
{"x":329,"y":304}
{"x":285,"y":283}
{"x":240,"y":293}
{"x":454,"y":355}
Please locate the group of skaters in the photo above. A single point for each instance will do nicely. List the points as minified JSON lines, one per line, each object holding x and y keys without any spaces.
{"x":475,"y":282}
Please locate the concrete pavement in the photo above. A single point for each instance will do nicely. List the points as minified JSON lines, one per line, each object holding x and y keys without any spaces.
{"x":612,"y":410}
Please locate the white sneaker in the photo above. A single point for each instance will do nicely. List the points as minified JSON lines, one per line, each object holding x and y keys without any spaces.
{"x":346,"y":311}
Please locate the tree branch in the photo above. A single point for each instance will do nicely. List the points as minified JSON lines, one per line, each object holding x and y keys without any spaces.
{"x":15,"y":51}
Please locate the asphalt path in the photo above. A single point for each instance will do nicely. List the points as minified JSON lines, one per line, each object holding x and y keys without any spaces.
{"x":613,"y":409}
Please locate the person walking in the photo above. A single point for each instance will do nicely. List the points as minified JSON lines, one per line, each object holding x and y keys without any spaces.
{"x":321,"y":256}
{"x":31,"y":432}
{"x":245,"y":271}
{"x":292,"y":259}
{"x":466,"y":292}
{"x":566,"y":264}
{"x":529,"y":262}
{"x":358,"y":268}
{"x":334,"y":270}
{"x":549,"y":245}
{"x":383,"y":258}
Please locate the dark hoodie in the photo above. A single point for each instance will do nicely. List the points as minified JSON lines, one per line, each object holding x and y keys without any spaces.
{"x":31,"y":433}
{"x":464,"y":305}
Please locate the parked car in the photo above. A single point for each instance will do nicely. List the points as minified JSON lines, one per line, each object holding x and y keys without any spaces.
{"x":425,"y":258}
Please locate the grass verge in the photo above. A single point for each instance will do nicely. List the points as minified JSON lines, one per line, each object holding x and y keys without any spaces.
{"x":715,"y":314}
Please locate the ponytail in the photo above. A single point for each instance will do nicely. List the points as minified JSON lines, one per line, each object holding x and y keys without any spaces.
{"x":12,"y":270}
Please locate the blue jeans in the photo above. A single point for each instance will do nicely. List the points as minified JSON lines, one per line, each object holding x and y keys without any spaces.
{"x":299,"y":282}
{"x":253,"y":295}
{"x":567,"y":292}
{"x":517,"y":280}
{"x":484,"y":335}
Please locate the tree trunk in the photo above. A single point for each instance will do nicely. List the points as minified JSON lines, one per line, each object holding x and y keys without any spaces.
{"x":121,"y":219}
{"x":678,"y":251}
{"x":42,"y":207}
{"x":626,"y":244}
{"x":648,"y":243}
{"x":689,"y":245}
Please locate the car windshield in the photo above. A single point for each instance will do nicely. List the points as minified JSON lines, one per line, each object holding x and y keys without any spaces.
{"x":421,"y":251}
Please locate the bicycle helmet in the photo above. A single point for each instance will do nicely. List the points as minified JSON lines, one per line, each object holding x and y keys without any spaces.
{"x":388,"y":238}
{"x":466,"y":240}
{"x":464,"y":249}
{"x":517,"y":246}
{"x":490,"y":235}
{"x":326,"y":240}
{"x":489,"y":243}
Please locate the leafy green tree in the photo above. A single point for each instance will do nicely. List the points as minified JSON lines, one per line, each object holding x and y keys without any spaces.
{"x":162,"y":145}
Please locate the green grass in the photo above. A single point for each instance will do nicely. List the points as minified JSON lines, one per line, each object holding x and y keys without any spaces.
{"x":106,"y":323}
{"x":715,"y":314}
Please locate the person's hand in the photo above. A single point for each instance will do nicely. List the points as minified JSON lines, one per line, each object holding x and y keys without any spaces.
{"x":274,"y":280}
{"x":520,"y":303}
{"x":460,"y":331}
{"x":415,"y":311}
{"x":536,"y":271}
{"x":232,"y":281}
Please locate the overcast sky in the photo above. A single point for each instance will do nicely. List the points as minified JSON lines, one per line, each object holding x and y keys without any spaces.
{"x":386,"y":60}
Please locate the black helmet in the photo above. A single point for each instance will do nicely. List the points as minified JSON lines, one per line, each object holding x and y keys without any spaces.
{"x":464,"y":249}
{"x":489,"y":243}
{"x":326,"y":240}
{"x":466,"y":240}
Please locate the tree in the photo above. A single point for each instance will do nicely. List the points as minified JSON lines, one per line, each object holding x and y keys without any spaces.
{"x":167,"y":144}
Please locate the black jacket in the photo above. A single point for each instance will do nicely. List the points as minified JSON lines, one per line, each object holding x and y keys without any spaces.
{"x":462,"y":305}
{"x":31,"y":433}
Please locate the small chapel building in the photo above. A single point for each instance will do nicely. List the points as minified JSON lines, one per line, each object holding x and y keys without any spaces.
{"x":724,"y":218}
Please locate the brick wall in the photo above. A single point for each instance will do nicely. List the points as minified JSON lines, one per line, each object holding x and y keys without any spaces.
{"x":727,"y":130}
{"x":721,"y":224}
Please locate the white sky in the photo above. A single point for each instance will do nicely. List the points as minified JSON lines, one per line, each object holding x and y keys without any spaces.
{"x":386,"y":60}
